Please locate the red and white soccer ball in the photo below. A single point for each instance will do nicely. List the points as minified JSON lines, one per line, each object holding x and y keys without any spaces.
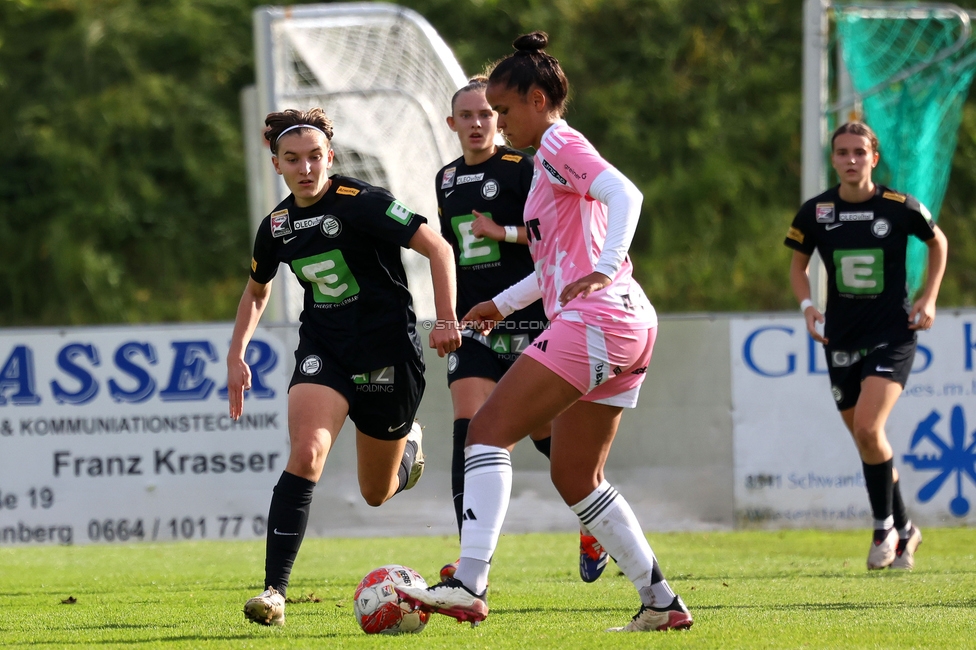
{"x":379,"y":609}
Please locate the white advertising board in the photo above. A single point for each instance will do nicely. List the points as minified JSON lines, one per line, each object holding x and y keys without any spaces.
{"x":795,"y":463}
{"x":115,"y":434}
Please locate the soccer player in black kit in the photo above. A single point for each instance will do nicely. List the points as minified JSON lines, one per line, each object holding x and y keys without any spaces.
{"x":480,"y":200}
{"x":358,"y":354}
{"x":861,"y":230}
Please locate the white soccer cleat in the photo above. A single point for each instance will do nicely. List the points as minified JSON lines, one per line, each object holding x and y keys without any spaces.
{"x":416,"y":435}
{"x":650,"y":619}
{"x":883,"y":547}
{"x":905,"y":551}
{"x":450,"y":598}
{"x":267,"y":608}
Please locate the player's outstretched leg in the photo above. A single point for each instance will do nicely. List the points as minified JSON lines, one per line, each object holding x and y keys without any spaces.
{"x":605,"y":512}
{"x":449,"y":597}
{"x":267,"y":608}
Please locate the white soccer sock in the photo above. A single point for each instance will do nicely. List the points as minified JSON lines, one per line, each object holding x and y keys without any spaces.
{"x":487,"y":491}
{"x":608,"y":515}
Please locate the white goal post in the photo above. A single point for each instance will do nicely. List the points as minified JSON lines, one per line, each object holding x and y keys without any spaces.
{"x":386,"y":78}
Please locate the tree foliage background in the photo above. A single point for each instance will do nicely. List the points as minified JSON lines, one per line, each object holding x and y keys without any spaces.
{"x":122,"y":176}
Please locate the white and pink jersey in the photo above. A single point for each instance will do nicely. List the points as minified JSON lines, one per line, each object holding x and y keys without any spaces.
{"x":567,"y":228}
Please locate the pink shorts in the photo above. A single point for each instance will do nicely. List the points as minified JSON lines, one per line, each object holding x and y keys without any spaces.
{"x":607,"y":366}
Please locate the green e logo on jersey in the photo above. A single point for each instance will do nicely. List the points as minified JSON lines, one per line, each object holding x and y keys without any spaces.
{"x":399,"y":212}
{"x":331,"y":279}
{"x":474,"y":250}
{"x":860,"y":271}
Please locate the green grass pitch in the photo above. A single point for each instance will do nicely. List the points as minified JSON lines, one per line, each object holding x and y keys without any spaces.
{"x":789,"y":589}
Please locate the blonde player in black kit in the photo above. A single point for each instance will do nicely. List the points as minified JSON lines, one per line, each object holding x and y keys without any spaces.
{"x":358,"y":354}
{"x":480,"y":198}
{"x":861,"y":230}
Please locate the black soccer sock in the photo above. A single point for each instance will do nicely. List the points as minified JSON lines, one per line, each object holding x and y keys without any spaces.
{"x":544,"y":446}
{"x":287,"y":519}
{"x":406,"y":462}
{"x":457,"y":469}
{"x":898,"y":508}
{"x":880,"y":487}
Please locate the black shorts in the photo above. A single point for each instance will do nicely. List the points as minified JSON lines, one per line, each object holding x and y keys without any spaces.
{"x":382,"y":403}
{"x":847,"y":369}
{"x":489,"y":356}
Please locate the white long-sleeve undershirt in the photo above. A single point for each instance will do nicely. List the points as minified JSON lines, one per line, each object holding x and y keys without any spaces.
{"x":518,"y":296}
{"x":623,"y":201}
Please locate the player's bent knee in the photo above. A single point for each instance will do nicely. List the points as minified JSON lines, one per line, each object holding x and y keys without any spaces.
{"x":374,"y":496}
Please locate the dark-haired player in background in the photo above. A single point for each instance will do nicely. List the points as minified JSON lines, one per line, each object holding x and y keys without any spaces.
{"x":861,"y":230}
{"x":358,"y":353}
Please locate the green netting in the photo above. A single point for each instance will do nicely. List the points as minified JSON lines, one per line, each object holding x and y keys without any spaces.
{"x":911,"y":65}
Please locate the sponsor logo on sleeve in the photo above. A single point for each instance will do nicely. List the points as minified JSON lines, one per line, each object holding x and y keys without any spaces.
{"x":347,"y":191}
{"x":447,"y":180}
{"x":302,"y":224}
{"x":489,"y":189}
{"x":552,"y":172}
{"x":925,"y":212}
{"x":511,"y":157}
{"x":881,"y":228}
{"x":795,"y":234}
{"x":572,"y":172}
{"x":470,"y":178}
{"x":280,"y":224}
{"x":399,"y":212}
{"x":825,"y":213}
{"x":254,"y":264}
{"x":331,"y":226}
{"x":857,"y":216}
{"x":894,"y":196}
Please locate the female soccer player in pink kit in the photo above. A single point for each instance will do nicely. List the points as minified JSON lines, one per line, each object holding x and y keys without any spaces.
{"x":580,"y":217}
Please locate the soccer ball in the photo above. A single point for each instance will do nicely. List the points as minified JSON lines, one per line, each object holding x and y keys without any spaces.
{"x":379,"y":609}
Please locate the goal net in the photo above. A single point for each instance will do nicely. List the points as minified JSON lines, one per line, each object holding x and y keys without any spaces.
{"x":386,"y":78}
{"x":905,"y":69}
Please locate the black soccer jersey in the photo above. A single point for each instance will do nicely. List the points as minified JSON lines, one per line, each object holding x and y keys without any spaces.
{"x":863,"y":246}
{"x":345,"y":252}
{"x":496,"y":188}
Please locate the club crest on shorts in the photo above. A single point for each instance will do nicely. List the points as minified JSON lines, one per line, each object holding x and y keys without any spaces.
{"x":837,"y":393}
{"x":880,"y":228}
{"x":452,"y":363}
{"x":331,"y":227}
{"x":489,"y":189}
{"x":311,"y":365}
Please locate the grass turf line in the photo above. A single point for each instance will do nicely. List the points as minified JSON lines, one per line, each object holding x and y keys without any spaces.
{"x":747,"y":589}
